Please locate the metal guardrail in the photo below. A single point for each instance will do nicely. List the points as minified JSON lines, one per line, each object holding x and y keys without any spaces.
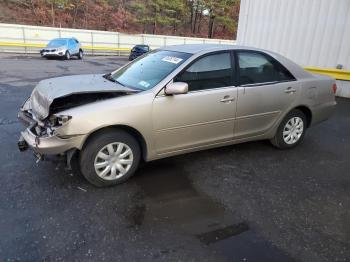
{"x":335,"y":73}
{"x":102,"y":48}
{"x":338,"y":74}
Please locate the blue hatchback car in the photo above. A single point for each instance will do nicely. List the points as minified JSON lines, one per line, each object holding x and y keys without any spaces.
{"x":63,"y":47}
{"x":137,"y":51}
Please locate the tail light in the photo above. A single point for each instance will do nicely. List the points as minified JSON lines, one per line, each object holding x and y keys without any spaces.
{"x":334,"y":88}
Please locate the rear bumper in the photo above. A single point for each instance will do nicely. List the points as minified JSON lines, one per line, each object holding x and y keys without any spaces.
{"x":322,"y":112}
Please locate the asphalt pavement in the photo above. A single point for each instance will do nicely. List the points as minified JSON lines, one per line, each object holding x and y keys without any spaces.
{"x":247,"y":202}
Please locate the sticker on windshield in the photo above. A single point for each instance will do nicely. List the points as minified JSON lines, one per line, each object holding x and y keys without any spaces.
{"x":172,"y":59}
{"x":144,"y":84}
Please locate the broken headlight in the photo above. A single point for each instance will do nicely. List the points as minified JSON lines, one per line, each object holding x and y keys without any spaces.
{"x":59,"y":120}
{"x":26,"y":105}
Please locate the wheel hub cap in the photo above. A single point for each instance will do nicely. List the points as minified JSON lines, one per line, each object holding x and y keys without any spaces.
{"x":113,"y":161}
{"x":293,"y":130}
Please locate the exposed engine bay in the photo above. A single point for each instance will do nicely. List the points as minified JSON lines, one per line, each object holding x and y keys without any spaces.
{"x":47,"y":126}
{"x":74,"y":100}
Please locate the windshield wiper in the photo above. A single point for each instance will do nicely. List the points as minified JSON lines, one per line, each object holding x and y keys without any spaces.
{"x":110,"y":78}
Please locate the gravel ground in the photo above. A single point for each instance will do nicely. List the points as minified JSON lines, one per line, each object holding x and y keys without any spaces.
{"x":247,"y":202}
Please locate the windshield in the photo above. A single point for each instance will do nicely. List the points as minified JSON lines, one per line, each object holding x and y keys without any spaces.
{"x":57,"y":42}
{"x":146,"y":72}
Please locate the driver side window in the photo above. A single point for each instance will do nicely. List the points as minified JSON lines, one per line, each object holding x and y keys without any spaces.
{"x":210,"y":71}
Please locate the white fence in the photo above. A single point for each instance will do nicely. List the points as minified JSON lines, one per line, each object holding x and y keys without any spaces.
{"x":29,"y":39}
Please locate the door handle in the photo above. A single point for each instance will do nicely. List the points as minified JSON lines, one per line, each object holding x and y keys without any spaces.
{"x":290,"y":90}
{"x":227,"y":99}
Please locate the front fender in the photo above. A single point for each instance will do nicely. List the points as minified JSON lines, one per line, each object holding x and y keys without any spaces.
{"x":134,"y":111}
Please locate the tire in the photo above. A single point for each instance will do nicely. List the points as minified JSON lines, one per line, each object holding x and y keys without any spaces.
{"x":99,"y":171}
{"x":67,"y":55}
{"x":291,"y":131}
{"x":80,"y":54}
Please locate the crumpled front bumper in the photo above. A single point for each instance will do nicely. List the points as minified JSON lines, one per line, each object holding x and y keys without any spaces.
{"x":45,"y":145}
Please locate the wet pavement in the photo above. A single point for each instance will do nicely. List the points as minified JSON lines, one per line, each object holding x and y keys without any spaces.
{"x":247,"y":202}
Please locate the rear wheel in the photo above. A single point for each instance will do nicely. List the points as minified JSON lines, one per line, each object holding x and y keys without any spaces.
{"x":291,"y":131}
{"x":80,"y":54}
{"x":110,"y":158}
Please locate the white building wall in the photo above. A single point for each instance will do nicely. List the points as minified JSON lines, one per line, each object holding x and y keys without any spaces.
{"x":310,"y":32}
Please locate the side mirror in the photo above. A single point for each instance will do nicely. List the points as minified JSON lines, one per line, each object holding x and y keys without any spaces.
{"x":176,"y":88}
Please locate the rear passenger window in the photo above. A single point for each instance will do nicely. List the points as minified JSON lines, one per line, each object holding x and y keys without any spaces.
{"x":255,"y":68}
{"x":211,"y":71}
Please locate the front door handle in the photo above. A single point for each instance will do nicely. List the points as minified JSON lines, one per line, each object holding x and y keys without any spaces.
{"x":227,"y":99}
{"x":290,"y":90}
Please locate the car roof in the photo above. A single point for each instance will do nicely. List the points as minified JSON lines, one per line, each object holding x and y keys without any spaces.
{"x":64,"y":38}
{"x":295,"y":69}
{"x":197,"y":48}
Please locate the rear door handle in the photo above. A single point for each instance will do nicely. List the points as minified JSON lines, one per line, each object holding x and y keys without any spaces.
{"x":227,"y":99}
{"x":290,"y":90}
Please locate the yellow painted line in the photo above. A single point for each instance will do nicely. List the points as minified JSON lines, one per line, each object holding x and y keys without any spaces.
{"x":338,"y":74}
{"x":21,"y":44}
{"x":105,"y":48}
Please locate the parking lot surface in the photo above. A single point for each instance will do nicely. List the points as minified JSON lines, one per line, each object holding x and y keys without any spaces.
{"x":248,"y":202}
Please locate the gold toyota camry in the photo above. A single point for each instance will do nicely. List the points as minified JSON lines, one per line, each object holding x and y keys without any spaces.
{"x":173,"y":100}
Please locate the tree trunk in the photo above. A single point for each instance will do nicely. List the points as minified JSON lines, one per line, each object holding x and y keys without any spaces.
{"x":211,"y":27}
{"x":199,"y":22}
{"x":86,"y":10}
{"x":75,"y":15}
{"x":195,"y":20}
{"x":154,"y":26}
{"x":155,"y":20}
{"x":191,"y":20}
{"x":53,"y":13}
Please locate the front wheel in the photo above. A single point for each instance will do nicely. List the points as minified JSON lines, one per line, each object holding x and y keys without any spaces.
{"x":67,"y":55}
{"x":291,"y":131}
{"x":110,"y":158}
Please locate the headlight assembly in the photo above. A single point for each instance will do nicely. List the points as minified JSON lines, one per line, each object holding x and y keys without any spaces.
{"x":59,"y":120}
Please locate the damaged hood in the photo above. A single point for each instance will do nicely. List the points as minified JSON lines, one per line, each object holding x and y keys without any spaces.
{"x":48,"y":90}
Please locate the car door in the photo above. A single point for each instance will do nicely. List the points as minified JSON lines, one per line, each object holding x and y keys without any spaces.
{"x":204,"y":115}
{"x":73,"y":49}
{"x":266,"y":90}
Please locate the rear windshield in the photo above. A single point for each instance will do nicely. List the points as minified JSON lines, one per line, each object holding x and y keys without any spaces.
{"x":57,"y":42}
{"x":146,"y":72}
{"x":142,"y":47}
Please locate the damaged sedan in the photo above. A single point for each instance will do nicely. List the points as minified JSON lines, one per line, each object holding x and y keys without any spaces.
{"x":173,"y":100}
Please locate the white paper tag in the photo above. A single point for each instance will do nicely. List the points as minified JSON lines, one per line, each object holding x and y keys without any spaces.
{"x":172,"y":59}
